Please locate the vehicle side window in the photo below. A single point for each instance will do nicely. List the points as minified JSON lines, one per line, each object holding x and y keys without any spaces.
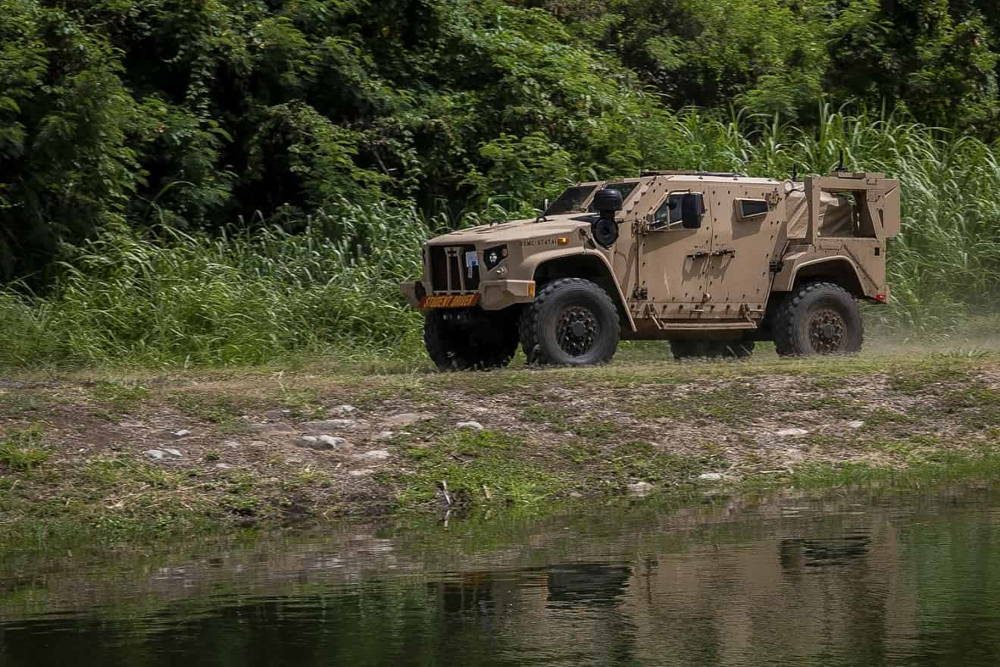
{"x":753,"y":208}
{"x":669,"y":214}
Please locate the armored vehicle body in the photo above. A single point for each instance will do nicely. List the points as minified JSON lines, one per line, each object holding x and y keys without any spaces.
{"x":710,"y":262}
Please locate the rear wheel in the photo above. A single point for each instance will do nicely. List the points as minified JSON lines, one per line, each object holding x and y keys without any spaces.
{"x":572,"y":322}
{"x":711,"y":349}
{"x":818,"y":318}
{"x":470,"y":339}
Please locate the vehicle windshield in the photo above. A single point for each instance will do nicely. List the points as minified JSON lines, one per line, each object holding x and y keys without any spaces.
{"x":571,"y":200}
{"x":624,"y":188}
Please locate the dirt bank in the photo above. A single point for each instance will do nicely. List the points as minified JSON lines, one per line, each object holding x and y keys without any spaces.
{"x":139,"y":454}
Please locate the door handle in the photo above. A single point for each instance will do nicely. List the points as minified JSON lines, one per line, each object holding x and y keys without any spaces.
{"x":722,"y":252}
{"x":699,"y":253}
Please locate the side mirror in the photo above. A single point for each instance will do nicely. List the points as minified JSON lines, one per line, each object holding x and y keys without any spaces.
{"x":692,"y":209}
{"x":607,"y":202}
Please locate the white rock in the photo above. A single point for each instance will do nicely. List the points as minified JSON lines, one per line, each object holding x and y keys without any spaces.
{"x":407,"y":418}
{"x":321,"y":442}
{"x":361,"y":472}
{"x":344,"y":410}
{"x":475,"y":426}
{"x":223,"y":466}
{"x":181,"y":433}
{"x":272,"y":428}
{"x":789,"y":432}
{"x":154,"y":454}
{"x":640,"y":488}
{"x":385,"y":435}
{"x":711,"y":476}
{"x":176,"y":453}
{"x":374,"y":455}
{"x":333,"y":441}
{"x":855,"y":424}
{"x":331,"y":424}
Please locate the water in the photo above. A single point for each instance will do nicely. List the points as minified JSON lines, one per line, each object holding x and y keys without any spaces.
{"x":911,"y":578}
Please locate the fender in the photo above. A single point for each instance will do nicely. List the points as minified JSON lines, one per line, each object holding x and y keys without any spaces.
{"x":536,"y":261}
{"x":793,"y":264}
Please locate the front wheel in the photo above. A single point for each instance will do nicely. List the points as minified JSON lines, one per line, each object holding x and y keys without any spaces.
{"x":470,"y":339}
{"x":571,"y":322}
{"x":818,"y":318}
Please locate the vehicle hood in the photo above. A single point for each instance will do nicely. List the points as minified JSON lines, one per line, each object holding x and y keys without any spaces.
{"x":515,"y":230}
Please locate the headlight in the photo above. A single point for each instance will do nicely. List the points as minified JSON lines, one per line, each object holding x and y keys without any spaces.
{"x":493,"y":256}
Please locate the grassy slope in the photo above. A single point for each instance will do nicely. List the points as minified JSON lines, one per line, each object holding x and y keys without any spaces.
{"x":72,"y":447}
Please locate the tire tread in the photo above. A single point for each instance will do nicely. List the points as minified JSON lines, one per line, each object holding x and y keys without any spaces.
{"x":529,"y":324}
{"x":785,"y":318}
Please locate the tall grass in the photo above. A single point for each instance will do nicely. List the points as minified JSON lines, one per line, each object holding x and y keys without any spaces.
{"x":174,"y":299}
{"x":178,"y":299}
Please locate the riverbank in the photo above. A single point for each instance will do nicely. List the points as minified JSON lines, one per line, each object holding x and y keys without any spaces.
{"x":131,"y":456}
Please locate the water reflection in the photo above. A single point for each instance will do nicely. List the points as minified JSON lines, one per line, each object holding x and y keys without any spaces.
{"x":910,"y":579}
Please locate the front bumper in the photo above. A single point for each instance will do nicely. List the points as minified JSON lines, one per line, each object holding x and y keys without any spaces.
{"x":499,"y":294}
{"x":494,"y":294}
{"x":410,"y":290}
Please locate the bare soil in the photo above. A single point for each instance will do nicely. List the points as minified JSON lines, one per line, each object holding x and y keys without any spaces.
{"x":128,"y":453}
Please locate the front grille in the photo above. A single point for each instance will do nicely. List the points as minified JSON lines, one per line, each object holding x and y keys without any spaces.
{"x":449,"y":272}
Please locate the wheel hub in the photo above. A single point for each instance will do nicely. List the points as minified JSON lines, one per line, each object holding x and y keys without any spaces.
{"x":827,"y":331}
{"x":576,"y":330}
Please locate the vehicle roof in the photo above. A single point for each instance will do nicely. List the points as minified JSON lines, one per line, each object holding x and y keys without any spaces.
{"x":718,"y":178}
{"x":715,"y":178}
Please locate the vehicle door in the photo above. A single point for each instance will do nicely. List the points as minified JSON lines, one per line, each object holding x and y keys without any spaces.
{"x":672,"y":256}
{"x":746,"y":223}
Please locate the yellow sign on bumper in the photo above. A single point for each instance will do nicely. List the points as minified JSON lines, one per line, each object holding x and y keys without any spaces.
{"x":450,"y":300}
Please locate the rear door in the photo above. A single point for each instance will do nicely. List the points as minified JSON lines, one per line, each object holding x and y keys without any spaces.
{"x":746,"y":224}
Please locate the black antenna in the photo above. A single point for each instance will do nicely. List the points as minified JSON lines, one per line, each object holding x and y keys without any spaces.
{"x":795,"y":171}
{"x":840,"y":161}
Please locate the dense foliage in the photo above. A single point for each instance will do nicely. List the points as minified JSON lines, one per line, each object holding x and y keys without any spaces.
{"x":293,"y":152}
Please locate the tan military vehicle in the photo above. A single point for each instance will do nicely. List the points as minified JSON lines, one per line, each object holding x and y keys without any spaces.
{"x":710,"y":262}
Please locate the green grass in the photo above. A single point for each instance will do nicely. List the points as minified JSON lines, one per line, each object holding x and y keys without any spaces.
{"x":181,"y":300}
{"x":933,"y":373}
{"x":489,"y":468}
{"x":474,"y":467}
{"x":944,"y":468}
{"x":22,"y":450}
{"x":302,"y":402}
{"x":24,"y":403}
{"x":120,"y":396}
{"x":221,"y":409}
{"x":731,"y":405}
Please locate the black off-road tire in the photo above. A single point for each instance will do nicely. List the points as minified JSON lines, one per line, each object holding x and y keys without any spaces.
{"x":818,"y":318}
{"x":571,"y":322}
{"x":471,"y":340}
{"x":711,"y":349}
